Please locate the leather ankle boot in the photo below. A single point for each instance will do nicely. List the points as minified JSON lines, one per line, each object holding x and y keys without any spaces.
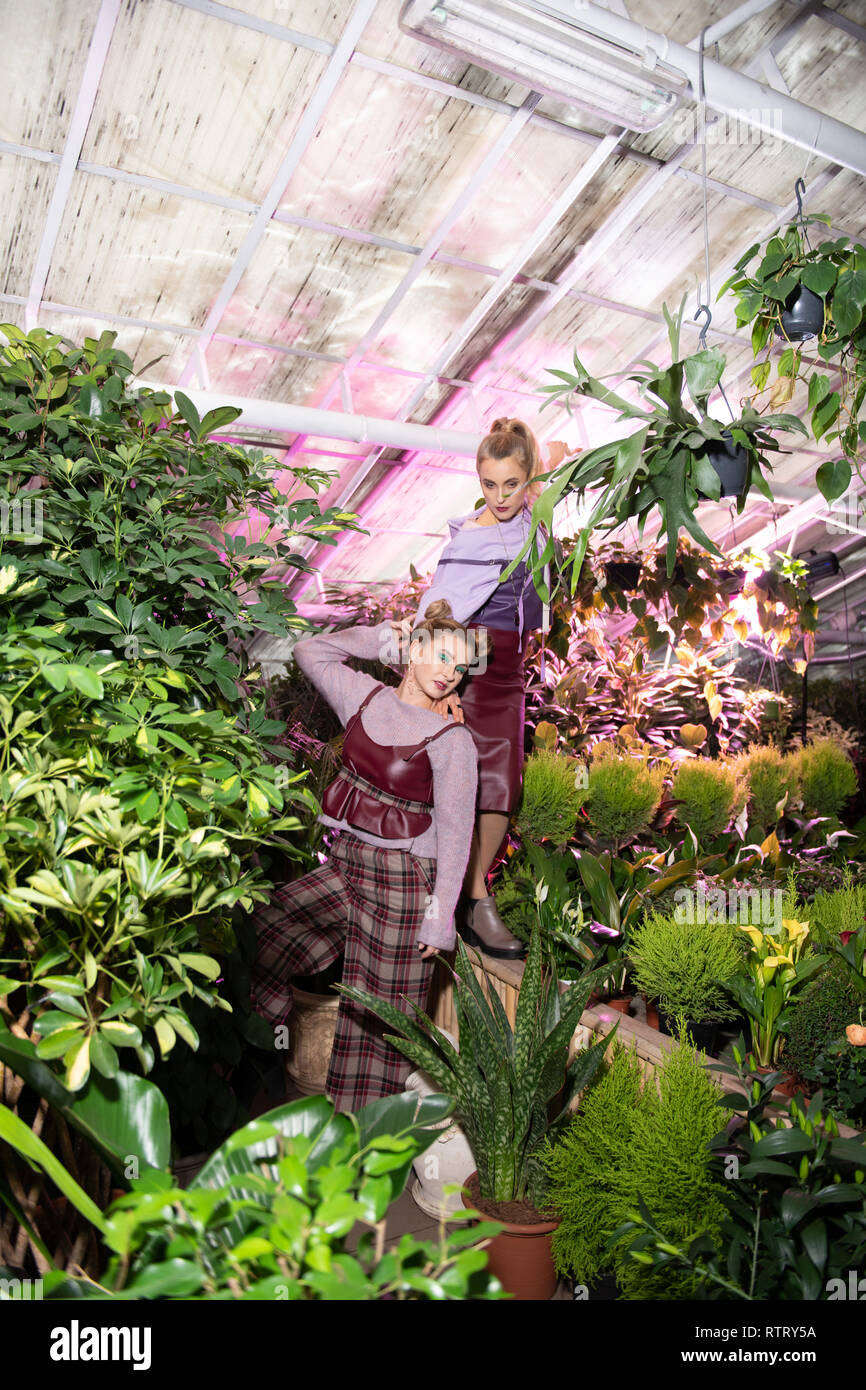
{"x":481,"y":926}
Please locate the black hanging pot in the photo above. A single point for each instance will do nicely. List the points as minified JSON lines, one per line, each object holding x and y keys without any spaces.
{"x":731,"y":462}
{"x":802,"y":316}
{"x":623,"y":575}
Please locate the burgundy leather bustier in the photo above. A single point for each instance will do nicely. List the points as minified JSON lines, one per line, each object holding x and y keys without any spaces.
{"x":384,"y":790}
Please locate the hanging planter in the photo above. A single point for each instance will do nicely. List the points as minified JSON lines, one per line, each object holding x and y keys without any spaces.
{"x":623,"y":575}
{"x":790,"y":289}
{"x":802,"y":316}
{"x":663,"y":463}
{"x":731,"y":462}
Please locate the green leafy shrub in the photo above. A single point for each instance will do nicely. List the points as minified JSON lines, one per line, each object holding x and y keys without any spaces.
{"x":553,"y":793}
{"x":795,"y":1220}
{"x":827,"y":777}
{"x":624,"y":793}
{"x":820,"y":1015}
{"x":711,"y":794}
{"x":685,"y":965}
{"x":629,"y":1143}
{"x":138,"y":770}
{"x":844,"y":909}
{"x":772,"y":781}
{"x":269,"y":1215}
{"x":839,"y":1071}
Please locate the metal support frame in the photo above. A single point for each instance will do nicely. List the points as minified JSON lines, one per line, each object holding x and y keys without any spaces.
{"x":100,"y":43}
{"x":355,"y":25}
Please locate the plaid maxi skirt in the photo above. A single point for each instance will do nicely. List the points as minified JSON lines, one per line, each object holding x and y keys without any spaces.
{"x":369,"y":904}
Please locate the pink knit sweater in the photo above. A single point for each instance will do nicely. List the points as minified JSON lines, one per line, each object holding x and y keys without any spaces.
{"x":390,"y":720}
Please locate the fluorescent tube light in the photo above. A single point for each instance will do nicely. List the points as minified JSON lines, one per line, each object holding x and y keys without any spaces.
{"x":560,"y":55}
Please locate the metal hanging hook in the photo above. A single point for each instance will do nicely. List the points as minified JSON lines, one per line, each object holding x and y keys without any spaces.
{"x":799,"y":190}
{"x":703,"y":309}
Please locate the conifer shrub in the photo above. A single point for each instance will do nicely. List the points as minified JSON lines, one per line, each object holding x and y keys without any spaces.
{"x":624,"y":793}
{"x":843,"y":909}
{"x":685,"y":965}
{"x":632,"y":1140}
{"x":772,"y":778}
{"x":827,"y":777}
{"x":712,"y":794}
{"x":554,"y":790}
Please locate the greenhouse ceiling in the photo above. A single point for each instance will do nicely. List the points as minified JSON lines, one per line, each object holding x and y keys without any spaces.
{"x":301,"y":205}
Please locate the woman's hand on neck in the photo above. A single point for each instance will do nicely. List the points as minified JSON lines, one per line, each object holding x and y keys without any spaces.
{"x":422,"y":701}
{"x":415,"y":696}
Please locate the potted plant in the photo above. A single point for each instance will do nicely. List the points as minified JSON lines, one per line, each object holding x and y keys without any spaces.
{"x":512,"y":1087}
{"x":775,"y":972}
{"x":664,"y":462}
{"x":685,"y":965}
{"x":638,"y":1136}
{"x":794,"y":1226}
{"x":795,"y":292}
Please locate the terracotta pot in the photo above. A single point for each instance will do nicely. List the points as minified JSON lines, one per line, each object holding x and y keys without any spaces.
{"x":312,"y":1024}
{"x":620,"y":1002}
{"x":520,"y":1256}
{"x":789,"y":1087}
{"x":652,"y":1012}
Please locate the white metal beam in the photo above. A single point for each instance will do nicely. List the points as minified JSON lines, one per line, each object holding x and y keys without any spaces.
{"x":355,"y":25}
{"x":731,"y":21}
{"x":841,"y":21}
{"x":97,"y":53}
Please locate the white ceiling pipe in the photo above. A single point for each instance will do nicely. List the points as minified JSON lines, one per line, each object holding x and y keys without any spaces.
{"x":791,"y":492}
{"x":841,"y":660}
{"x":838,"y":639}
{"x":732,"y":21}
{"x":331,"y":424}
{"x":842,"y":583}
{"x":753,"y":103}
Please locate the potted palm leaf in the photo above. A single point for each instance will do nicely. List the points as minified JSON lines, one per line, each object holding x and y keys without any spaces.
{"x":512,"y":1087}
{"x":665,"y":462}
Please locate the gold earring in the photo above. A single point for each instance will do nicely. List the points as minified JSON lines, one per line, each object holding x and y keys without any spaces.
{"x":411,"y":683}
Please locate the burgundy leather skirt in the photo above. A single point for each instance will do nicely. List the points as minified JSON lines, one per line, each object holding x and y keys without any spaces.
{"x":494,"y":705}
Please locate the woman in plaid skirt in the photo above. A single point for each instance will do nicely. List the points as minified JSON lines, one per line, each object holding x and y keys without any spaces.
{"x":482,"y":545}
{"x":404,"y":806}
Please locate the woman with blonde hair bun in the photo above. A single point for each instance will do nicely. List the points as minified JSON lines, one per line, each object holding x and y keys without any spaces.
{"x":403,"y":808}
{"x":482,"y":545}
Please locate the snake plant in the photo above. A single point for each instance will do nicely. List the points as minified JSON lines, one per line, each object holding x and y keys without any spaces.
{"x":512,"y":1086}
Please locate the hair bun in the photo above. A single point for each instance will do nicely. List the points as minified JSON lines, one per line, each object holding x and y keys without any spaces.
{"x":439,"y":608}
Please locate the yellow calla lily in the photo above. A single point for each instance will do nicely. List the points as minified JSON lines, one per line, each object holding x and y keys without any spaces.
{"x":757,"y":937}
{"x":797,"y":931}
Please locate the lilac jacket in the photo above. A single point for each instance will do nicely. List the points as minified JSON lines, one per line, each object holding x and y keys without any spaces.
{"x":471,"y":563}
